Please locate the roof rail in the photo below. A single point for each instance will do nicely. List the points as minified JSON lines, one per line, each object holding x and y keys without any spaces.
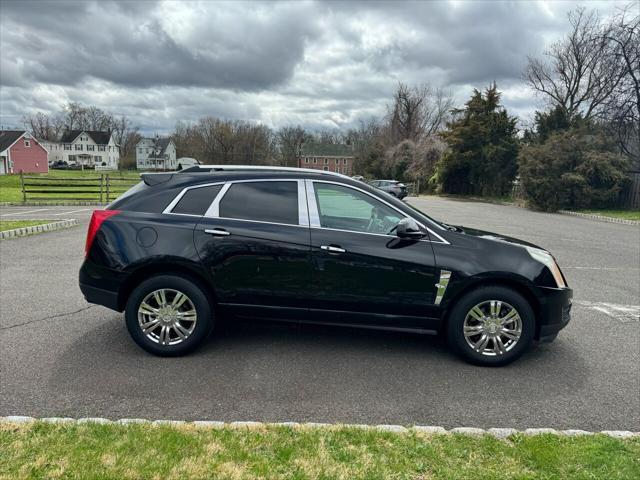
{"x":264,"y":167}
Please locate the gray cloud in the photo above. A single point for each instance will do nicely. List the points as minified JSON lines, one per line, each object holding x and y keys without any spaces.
{"x":321,"y":64}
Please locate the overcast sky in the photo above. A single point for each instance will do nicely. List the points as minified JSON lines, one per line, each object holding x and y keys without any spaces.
{"x":319,"y":64}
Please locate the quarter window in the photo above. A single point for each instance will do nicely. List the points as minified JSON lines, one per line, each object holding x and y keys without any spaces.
{"x":275,"y":202}
{"x":344,"y":208}
{"x":196,"y":201}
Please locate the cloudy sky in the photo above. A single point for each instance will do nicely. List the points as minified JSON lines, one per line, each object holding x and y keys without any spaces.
{"x":321,"y":64}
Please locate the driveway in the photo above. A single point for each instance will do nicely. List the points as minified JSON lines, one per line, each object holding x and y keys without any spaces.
{"x":60,"y":356}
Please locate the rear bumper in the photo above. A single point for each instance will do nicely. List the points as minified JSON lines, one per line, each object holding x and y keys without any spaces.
{"x":100,"y":285}
{"x":555,"y":311}
{"x":99,"y":296}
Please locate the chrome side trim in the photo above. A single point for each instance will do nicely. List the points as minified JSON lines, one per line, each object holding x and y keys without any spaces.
{"x":441,"y":286}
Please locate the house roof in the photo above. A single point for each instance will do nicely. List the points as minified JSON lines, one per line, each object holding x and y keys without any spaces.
{"x":9,"y":137}
{"x":101,"y":138}
{"x":160,"y":144}
{"x":326,"y":150}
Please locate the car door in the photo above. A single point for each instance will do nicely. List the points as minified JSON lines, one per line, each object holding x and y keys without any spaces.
{"x":254,"y":241}
{"x":361,"y":272}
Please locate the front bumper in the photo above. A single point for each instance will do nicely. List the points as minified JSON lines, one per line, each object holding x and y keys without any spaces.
{"x":555,"y":311}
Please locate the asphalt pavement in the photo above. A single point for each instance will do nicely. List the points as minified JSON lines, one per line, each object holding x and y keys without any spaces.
{"x":60,"y":356}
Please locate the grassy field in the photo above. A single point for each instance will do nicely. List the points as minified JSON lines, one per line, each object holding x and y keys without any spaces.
{"x":624,"y":214}
{"x":10,"y":190}
{"x":12,"y":224}
{"x":92,"y":451}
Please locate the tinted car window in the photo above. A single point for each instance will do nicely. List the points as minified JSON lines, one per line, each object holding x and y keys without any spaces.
{"x":344,"y":208}
{"x":262,"y":201}
{"x":196,"y":201}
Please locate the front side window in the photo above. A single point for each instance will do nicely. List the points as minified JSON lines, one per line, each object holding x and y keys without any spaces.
{"x":196,"y":201}
{"x":275,"y":202}
{"x":344,"y":208}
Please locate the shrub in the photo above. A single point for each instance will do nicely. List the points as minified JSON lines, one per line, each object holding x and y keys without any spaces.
{"x":572,"y":169}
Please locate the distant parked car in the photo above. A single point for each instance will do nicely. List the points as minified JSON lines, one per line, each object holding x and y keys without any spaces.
{"x":392,"y":187}
{"x":359,"y":178}
{"x":186,"y":162}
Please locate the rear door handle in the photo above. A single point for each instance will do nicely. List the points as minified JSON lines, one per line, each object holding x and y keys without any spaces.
{"x":332,"y":249}
{"x":218,"y":232}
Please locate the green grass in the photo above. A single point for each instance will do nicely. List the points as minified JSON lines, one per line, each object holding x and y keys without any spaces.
{"x":11,"y":224}
{"x":92,"y":451}
{"x":624,"y":214}
{"x":10,"y":190}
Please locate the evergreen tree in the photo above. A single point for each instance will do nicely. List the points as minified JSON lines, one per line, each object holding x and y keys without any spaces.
{"x":483,"y":148}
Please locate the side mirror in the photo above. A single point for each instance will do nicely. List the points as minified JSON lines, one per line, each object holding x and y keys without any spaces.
{"x":408,"y":228}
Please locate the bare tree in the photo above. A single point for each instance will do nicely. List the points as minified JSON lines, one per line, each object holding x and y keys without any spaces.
{"x":290,"y":140}
{"x":621,"y":111}
{"x":579,"y":72}
{"x":44,"y":126}
{"x":417,"y":111}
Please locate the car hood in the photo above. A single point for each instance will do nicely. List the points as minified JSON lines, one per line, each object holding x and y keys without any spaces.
{"x":496,"y":237}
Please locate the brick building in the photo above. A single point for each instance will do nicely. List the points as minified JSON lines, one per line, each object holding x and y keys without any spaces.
{"x":328,"y":157}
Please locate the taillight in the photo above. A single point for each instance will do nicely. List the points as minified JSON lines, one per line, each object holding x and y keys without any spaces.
{"x":97,"y":218}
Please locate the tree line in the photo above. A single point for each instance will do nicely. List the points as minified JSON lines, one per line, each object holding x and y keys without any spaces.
{"x":576,"y":153}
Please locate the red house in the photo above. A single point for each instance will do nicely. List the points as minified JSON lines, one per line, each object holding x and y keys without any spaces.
{"x":20,"y":152}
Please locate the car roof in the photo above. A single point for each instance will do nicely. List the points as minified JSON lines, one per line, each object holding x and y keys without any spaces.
{"x":224,"y":173}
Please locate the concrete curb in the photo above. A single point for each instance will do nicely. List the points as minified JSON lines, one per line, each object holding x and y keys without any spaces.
{"x":499,"y":433}
{"x":47,"y":227}
{"x":51,"y":204}
{"x":599,"y":218}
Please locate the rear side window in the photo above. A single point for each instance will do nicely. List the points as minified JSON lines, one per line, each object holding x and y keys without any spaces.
{"x":196,"y":201}
{"x":262,"y":201}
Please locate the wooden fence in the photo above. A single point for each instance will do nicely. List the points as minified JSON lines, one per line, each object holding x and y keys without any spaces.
{"x":100,"y":188}
{"x":630,"y":197}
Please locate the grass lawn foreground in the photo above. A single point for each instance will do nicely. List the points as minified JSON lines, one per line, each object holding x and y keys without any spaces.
{"x":92,"y":451}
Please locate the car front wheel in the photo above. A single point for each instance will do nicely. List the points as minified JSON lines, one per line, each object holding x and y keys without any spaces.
{"x":168,"y":315}
{"x":491,"y":326}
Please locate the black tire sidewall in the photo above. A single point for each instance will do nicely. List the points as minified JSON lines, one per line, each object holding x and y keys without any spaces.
{"x":195,"y":293}
{"x":454,"y":330}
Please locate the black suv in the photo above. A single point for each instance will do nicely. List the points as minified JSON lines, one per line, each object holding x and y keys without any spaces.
{"x":179,"y":251}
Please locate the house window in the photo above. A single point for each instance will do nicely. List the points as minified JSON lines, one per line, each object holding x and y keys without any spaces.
{"x":27,"y":143}
{"x":90,"y":148}
{"x":344,"y":161}
{"x":326,"y":161}
{"x":101,"y":148}
{"x":326,"y":169}
{"x":78,"y":146}
{"x":67,"y":146}
{"x":306,"y":160}
{"x":72,"y":158}
{"x":315,"y":160}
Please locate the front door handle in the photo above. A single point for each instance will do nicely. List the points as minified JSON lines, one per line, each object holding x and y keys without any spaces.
{"x":218,"y":232}
{"x":332,"y":249}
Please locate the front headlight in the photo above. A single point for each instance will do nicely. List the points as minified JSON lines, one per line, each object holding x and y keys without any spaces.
{"x":547,"y":259}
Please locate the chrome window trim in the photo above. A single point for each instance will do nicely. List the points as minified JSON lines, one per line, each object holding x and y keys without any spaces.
{"x":174,"y":202}
{"x":214,"y":208}
{"x":315,"y":221}
{"x":303,"y":218}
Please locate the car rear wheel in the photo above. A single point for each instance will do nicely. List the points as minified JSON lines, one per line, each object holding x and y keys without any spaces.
{"x":491,"y":326}
{"x":168,"y":315}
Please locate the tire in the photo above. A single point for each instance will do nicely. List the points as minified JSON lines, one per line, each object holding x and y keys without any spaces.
{"x":496,"y":344}
{"x":177,"y":331}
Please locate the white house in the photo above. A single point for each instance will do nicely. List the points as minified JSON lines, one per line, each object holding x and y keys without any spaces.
{"x":156,"y":154}
{"x":85,"y":147}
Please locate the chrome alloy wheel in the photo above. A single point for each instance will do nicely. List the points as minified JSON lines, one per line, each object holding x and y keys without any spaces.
{"x":167,"y":316}
{"x":492,"y":328}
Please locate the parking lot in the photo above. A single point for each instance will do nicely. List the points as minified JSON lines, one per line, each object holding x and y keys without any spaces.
{"x":59,"y":356}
